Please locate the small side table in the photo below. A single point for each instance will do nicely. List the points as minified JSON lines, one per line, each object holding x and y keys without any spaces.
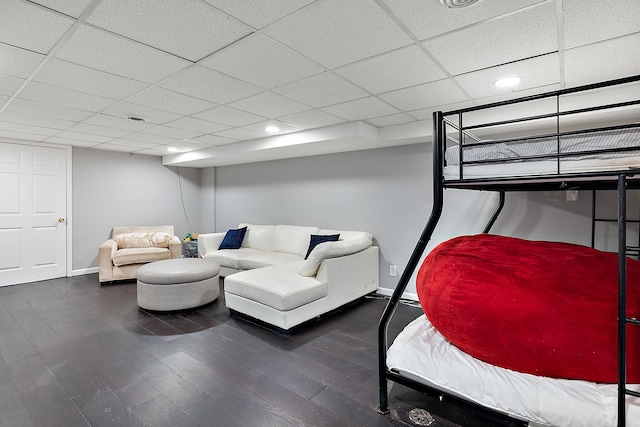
{"x":190,"y":249}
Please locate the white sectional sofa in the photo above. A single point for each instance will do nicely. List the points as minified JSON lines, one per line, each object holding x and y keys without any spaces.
{"x":269,"y":279}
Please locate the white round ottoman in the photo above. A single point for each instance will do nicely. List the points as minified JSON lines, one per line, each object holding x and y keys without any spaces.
{"x":179,"y":283}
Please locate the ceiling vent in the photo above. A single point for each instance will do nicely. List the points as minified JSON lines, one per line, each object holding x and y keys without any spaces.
{"x":457,"y":4}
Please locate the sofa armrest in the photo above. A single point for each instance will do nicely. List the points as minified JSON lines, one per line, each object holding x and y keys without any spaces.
{"x":208,"y":243}
{"x":175,"y":247}
{"x":350,"y":277}
{"x":332,"y":250}
{"x":106,"y":251}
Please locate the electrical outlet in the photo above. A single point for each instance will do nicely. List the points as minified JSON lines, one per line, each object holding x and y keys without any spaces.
{"x":393,"y":272}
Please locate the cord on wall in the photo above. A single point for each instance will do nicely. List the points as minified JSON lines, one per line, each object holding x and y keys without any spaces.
{"x":184,"y":208}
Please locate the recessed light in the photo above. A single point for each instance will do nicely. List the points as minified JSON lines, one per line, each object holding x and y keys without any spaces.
{"x":272,"y":129}
{"x":507,"y":81}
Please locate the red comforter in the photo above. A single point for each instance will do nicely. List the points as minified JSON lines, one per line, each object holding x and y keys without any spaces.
{"x":542,"y":308}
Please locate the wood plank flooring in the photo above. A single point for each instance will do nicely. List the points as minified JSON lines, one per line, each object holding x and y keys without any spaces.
{"x":75,"y":353}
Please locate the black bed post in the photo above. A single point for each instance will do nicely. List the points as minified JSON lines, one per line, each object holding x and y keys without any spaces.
{"x":622,"y":299}
{"x":439,"y":135}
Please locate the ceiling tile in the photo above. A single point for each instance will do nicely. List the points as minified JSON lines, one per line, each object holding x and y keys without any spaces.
{"x":593,"y":63}
{"x":153,"y":151}
{"x":430,"y":18}
{"x":133,"y":143}
{"x":589,"y":21}
{"x":22,"y":136}
{"x":18,"y":127}
{"x":31,"y":27}
{"x":190,"y":29}
{"x":398,"y":69}
{"x":47,"y":110}
{"x":83,"y":136}
{"x":99,"y":130}
{"x":18,"y":62}
{"x":66,"y":97}
{"x":229,"y":116}
{"x":77,"y":77}
{"x":259,"y":14}
{"x":68,"y":7}
{"x":263,"y":62}
{"x":164,"y":99}
{"x":188,"y":145}
{"x":198,"y":125}
{"x":270,"y":105}
{"x":361,"y":109}
{"x":337,"y":32}
{"x":152,"y":115}
{"x":67,"y":141}
{"x":239,"y":134}
{"x":213,"y":140}
{"x":147,"y":137}
{"x":312,"y":119}
{"x":321,"y":90}
{"x":117,"y":122}
{"x":508,"y":38}
{"x":394,"y":119}
{"x":535,"y":72}
{"x":9,"y":85}
{"x":29,"y":119}
{"x":205,"y":83}
{"x":424,"y":96}
{"x":107,"y":52}
{"x":172,"y":132}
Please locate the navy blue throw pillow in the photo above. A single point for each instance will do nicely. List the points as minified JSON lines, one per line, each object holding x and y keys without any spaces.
{"x":316,"y":239}
{"x":233,"y":238}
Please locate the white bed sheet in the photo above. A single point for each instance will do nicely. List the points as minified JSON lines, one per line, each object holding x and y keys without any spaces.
{"x":422,"y":354}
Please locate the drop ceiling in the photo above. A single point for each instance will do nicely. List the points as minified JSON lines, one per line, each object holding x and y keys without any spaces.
{"x":207,"y":76}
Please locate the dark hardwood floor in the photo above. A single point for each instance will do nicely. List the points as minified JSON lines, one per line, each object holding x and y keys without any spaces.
{"x":75,"y":353}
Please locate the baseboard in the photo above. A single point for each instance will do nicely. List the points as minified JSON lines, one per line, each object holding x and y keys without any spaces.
{"x":406,"y":295}
{"x":84,"y":271}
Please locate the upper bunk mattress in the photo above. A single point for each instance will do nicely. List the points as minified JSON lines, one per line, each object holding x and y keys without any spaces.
{"x":513,"y":156}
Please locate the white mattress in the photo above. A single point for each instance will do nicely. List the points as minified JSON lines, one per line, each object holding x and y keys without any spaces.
{"x":422,"y":354}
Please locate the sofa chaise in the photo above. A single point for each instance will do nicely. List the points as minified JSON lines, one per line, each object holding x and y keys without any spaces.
{"x":129,"y":248}
{"x":285,"y":275}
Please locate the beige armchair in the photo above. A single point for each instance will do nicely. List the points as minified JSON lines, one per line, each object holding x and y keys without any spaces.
{"x":131,"y":247}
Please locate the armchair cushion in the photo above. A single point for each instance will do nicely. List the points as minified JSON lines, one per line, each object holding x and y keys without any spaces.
{"x":142,"y":240}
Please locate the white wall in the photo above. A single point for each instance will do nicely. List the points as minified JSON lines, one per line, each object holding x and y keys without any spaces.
{"x":117,"y":189}
{"x":388,"y":192}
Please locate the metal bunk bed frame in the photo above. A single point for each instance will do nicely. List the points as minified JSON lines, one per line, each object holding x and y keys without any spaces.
{"x":625,"y":180}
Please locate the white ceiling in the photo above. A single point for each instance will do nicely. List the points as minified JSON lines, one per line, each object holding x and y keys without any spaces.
{"x":336,"y":75}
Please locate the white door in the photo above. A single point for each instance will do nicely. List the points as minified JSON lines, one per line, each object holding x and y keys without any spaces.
{"x":33,"y":188}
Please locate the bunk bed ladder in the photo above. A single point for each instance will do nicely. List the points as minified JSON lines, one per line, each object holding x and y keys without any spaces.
{"x":623,"y":320}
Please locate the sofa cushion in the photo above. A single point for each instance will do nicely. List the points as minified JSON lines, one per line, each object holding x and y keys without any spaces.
{"x":140,"y":255}
{"x":142,"y":240}
{"x":333,"y":250}
{"x":231,"y":258}
{"x":233,"y":239}
{"x":316,"y":239}
{"x":258,"y":236}
{"x":266,"y":259}
{"x":292,"y":239}
{"x":276,"y":287}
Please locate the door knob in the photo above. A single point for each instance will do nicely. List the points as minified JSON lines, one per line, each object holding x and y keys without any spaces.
{"x":60,"y":219}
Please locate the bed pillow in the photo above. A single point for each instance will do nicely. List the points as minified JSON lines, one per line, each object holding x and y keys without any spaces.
{"x":542,"y":308}
{"x":233,"y":238}
{"x":316,"y":239}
